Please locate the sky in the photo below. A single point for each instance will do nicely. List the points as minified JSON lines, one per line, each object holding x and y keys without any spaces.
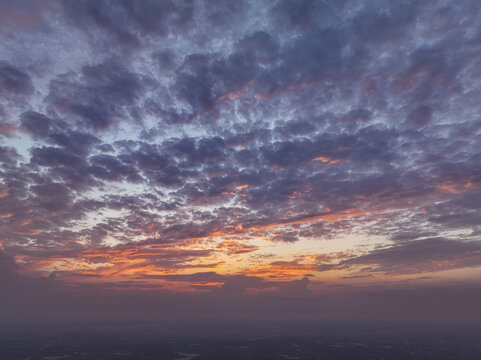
{"x":308,"y":157}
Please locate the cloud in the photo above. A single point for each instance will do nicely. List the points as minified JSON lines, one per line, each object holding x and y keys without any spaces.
{"x":420,"y":256}
{"x":47,"y":299}
{"x":7,"y":265}
{"x":24,"y":14}
{"x":100,"y":95}
{"x":50,"y":156}
{"x":14,"y":82}
{"x":36,"y":124}
{"x":162,"y":139}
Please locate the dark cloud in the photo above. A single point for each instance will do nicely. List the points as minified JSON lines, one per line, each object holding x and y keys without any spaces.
{"x":109,"y":168}
{"x":420,"y":256}
{"x":14,"y":82}
{"x":50,"y":156}
{"x":240,"y":285}
{"x":36,"y":124}
{"x":380,"y":25}
{"x":8,"y":155}
{"x":127,"y":22}
{"x":100,"y":95}
{"x":302,"y":15}
{"x":7,"y":265}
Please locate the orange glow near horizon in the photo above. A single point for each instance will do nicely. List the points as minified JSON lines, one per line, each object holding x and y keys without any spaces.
{"x":250,"y":250}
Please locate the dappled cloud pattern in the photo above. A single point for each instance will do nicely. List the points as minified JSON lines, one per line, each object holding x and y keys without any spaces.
{"x":253,"y":148}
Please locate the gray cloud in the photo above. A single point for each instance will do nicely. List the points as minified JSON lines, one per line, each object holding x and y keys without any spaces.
{"x":14,"y":82}
{"x":420,"y":256}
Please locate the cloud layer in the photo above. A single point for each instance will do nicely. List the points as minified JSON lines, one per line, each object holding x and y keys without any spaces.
{"x":281,"y":147}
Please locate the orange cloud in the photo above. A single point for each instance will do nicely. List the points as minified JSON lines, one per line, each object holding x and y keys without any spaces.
{"x":235,"y":94}
{"x":326,"y":160}
{"x":454,"y":188}
{"x":236,"y":247}
{"x":6,"y":128}
{"x":330,"y":217}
